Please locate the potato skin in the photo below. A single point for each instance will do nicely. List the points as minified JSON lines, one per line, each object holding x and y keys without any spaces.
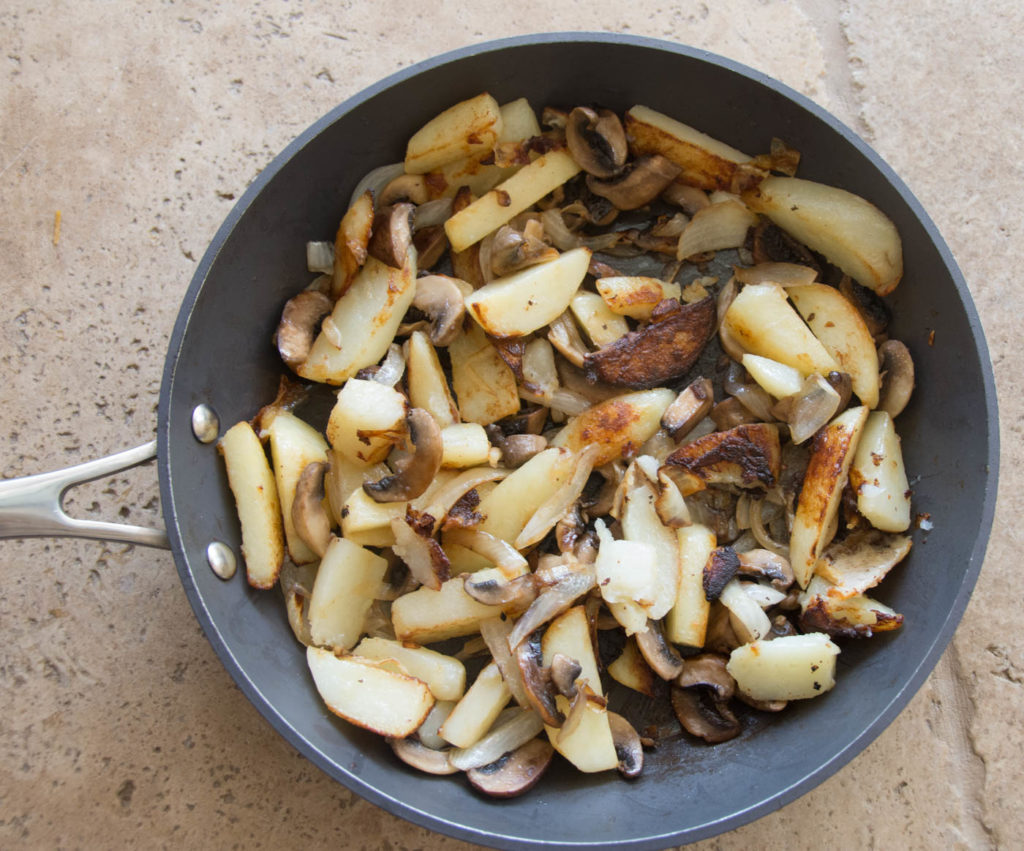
{"x":747,"y":455}
{"x":662,"y":351}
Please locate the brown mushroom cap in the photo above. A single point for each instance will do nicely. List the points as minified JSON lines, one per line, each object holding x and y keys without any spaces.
{"x":392,"y":234}
{"x":419,"y":470}
{"x":765,"y":564}
{"x":540,"y":690}
{"x":439,"y":297}
{"x":415,"y":753}
{"x":689,"y":408}
{"x":517,"y":593}
{"x":897,"y":377}
{"x":512,"y":250}
{"x":663,"y":658}
{"x":308,"y":514}
{"x":564,"y":673}
{"x":405,"y":187}
{"x":515,"y":773}
{"x":597,"y":141}
{"x":628,"y":748}
{"x":297,"y":329}
{"x":642,"y":181}
{"x":700,"y":699}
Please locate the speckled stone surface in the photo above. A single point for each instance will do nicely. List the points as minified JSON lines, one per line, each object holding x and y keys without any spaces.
{"x":141,"y":122}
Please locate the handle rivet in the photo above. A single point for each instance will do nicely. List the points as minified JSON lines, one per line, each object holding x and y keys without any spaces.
{"x":205,"y":424}
{"x":221,"y":559}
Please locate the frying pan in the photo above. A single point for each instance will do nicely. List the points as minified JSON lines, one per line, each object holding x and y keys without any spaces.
{"x":220,"y":356}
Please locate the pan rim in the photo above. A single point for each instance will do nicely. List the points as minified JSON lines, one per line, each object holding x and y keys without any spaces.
{"x":492,"y":837}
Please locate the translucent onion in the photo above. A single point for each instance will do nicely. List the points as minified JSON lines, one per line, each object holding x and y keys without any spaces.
{"x":764,"y":538}
{"x":496,"y":632}
{"x":722,"y":225}
{"x":392,"y":367}
{"x":764,"y":595}
{"x":515,"y":732}
{"x":561,"y":399}
{"x":551,"y":603}
{"x":320,"y":257}
{"x":747,"y":617}
{"x":496,"y":550}
{"x":376,"y":180}
{"x":539,"y":371}
{"x":557,"y":232}
{"x":812,"y":409}
{"x":427,"y":731}
{"x":439,"y":503}
{"x":432,"y":213}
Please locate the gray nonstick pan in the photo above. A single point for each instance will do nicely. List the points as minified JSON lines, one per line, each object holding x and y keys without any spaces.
{"x":220,"y":356}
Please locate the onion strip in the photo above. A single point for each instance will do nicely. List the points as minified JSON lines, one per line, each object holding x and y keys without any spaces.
{"x":556,"y":506}
{"x":515,"y":732}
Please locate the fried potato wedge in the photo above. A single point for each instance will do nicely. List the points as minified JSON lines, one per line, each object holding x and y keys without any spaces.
{"x":444,"y":675}
{"x":474,"y":714}
{"x":842,"y":331}
{"x":706,"y":162}
{"x":619,"y":425}
{"x":746,"y":456}
{"x":599,"y":323}
{"x":428,"y":386}
{"x":484,"y":385}
{"x":687,"y":621}
{"x":369,"y":695}
{"x":635,"y":296}
{"x":259,"y":508}
{"x":366,"y":318}
{"x":527,"y":186}
{"x":851,"y":232}
{"x":517,"y":304}
{"x":425,"y":617}
{"x":789,"y":667}
{"x":346,"y":584}
{"x":658,"y":353}
{"x":832,"y":453}
{"x":294,"y":444}
{"x":879,"y":476}
{"x":468,"y":128}
{"x":367,"y":420}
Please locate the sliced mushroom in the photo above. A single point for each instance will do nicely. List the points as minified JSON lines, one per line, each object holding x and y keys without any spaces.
{"x":873,"y":310}
{"x":700,"y":699}
{"x":658,"y":353}
{"x":515,"y":593}
{"x":564,"y":673}
{"x":392,"y":234}
{"x":512,"y":250}
{"x":431,"y":243}
{"x":424,"y":557}
{"x":298,"y":326}
{"x":663,"y":658}
{"x":597,"y":141}
{"x":415,"y":753}
{"x":897,"y":377}
{"x":628,"y":747}
{"x":308,"y":514}
{"x":440,"y":298}
{"x":642,"y":181}
{"x":843,"y":385}
{"x":765,"y":564}
{"x":540,"y":690}
{"x":405,"y":187}
{"x":689,"y":408}
{"x":719,"y":570}
{"x":515,"y":773}
{"x":517,"y":449}
{"x":565,"y":336}
{"x":419,"y":469}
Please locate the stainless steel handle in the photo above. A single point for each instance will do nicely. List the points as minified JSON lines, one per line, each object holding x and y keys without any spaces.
{"x":32,"y":506}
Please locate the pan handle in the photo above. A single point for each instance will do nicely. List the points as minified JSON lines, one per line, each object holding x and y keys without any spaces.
{"x":32,"y":506}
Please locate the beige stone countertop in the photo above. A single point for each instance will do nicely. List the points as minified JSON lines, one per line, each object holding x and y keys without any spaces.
{"x":142,"y":122}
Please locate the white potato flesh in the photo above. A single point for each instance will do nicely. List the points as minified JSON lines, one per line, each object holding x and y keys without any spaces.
{"x":851,"y":232}
{"x":747,"y":617}
{"x":468,"y":128}
{"x":879,"y":476}
{"x":256,"y":500}
{"x":776,"y":379}
{"x":641,"y":524}
{"x":368,"y":695}
{"x":425,"y":617}
{"x":346,"y":584}
{"x":706,"y":162}
{"x":832,"y":453}
{"x":368,"y":522}
{"x":631,"y":669}
{"x":721,"y":225}
{"x":626,"y":570}
{"x":523,"y":189}
{"x":520,"y":303}
{"x":366,"y":318}
{"x":635,"y":296}
{"x":428,"y":387}
{"x":630,"y":615}
{"x":444,"y":675}
{"x":763,"y":322}
{"x":841,"y":329}
{"x":294,"y":444}
{"x":598,"y":322}
{"x":465,"y":445}
{"x":687,"y":621}
{"x":790,"y":667}
{"x":484,"y":385}
{"x":508,"y":508}
{"x":474,"y":714}
{"x":618,"y":424}
{"x":589,"y":747}
{"x":367,"y":420}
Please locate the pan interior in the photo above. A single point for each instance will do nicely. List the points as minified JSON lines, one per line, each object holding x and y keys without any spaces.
{"x":221,"y":355}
